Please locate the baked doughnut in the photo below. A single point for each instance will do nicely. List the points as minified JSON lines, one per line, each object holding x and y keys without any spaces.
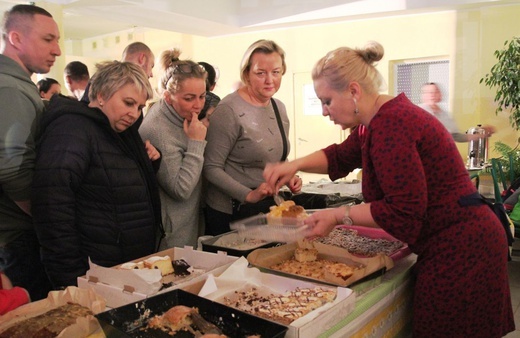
{"x":286,"y":210}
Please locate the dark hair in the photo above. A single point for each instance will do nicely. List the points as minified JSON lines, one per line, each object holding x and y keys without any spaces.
{"x":77,"y":71}
{"x":45,"y":84}
{"x":12,"y":17}
{"x":212,"y":74}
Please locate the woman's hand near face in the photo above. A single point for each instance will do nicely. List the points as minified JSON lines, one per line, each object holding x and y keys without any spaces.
{"x":152,"y":152}
{"x":261,"y":192}
{"x":195,"y":129}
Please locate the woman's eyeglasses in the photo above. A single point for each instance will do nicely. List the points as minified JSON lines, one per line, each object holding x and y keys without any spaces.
{"x":187,"y":68}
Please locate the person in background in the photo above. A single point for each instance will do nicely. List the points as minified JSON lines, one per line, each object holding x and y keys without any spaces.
{"x":416,"y":188}
{"x":137,"y":53}
{"x":48,"y":87}
{"x":141,"y":55}
{"x":248,"y":129}
{"x":212,"y":99}
{"x":94,"y":194}
{"x":172,"y":125}
{"x":30,"y":45}
{"x":76,"y":77}
{"x":431,"y":97}
{"x":11,"y":296}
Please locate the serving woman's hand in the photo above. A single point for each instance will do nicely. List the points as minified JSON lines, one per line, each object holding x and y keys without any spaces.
{"x":322,"y":222}
{"x":278,"y":174}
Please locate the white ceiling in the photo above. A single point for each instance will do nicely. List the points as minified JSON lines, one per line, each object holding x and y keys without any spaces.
{"x":89,"y":18}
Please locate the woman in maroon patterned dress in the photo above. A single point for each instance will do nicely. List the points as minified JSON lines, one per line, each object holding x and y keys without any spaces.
{"x":413,"y":181}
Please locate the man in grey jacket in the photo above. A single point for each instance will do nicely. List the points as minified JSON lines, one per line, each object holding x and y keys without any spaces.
{"x":30,"y":45}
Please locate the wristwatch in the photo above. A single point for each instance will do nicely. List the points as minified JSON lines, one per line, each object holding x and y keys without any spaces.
{"x":346,"y":218}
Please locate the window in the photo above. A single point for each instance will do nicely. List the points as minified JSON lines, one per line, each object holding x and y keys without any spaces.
{"x":412,"y":75}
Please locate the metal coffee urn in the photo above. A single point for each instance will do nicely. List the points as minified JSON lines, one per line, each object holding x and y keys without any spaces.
{"x":477,"y":149}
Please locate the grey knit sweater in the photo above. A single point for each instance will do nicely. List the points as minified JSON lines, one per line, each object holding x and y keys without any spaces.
{"x":242,"y":139}
{"x":179,"y":175}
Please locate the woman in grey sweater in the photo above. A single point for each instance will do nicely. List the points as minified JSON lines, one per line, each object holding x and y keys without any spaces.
{"x":247,"y":130}
{"x":172,"y":125}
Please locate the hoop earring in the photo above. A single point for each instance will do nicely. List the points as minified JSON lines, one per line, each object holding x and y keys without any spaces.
{"x":356,"y":111}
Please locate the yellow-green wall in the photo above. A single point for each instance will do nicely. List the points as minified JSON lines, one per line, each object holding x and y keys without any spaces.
{"x":466,"y":38}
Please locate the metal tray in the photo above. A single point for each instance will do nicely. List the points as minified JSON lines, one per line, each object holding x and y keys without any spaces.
{"x":211,"y":245}
{"x":128,"y":320}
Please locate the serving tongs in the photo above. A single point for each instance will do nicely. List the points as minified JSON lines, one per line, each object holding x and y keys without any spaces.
{"x":203,"y":325}
{"x":279,"y":197}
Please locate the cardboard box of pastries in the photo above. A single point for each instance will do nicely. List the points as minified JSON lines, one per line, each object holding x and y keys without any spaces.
{"x":318,"y":262}
{"x":66,"y":313}
{"x":239,"y":278}
{"x":153,"y":274}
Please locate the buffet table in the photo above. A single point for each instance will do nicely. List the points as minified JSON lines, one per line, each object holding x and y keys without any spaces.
{"x":382,"y":309}
{"x":382,"y":306}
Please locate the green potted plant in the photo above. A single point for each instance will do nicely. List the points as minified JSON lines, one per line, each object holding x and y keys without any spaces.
{"x":508,"y":156}
{"x":505,"y":76}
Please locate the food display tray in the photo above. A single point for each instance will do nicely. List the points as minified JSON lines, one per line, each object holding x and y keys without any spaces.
{"x":369,"y":267}
{"x":279,"y":229}
{"x":212,"y":245}
{"x":380,"y":233}
{"x":129,"y":320}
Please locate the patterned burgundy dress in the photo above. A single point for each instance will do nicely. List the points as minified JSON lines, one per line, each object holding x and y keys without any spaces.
{"x":413,"y":177}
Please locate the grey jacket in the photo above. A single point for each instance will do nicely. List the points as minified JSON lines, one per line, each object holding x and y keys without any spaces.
{"x":179,"y":175}
{"x":21,"y":109}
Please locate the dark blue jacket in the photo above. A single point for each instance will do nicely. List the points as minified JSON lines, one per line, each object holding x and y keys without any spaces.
{"x":94,"y":192}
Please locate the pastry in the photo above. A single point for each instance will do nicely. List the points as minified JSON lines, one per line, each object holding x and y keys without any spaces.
{"x":360,"y":245}
{"x":173,"y":320}
{"x":338,"y":273}
{"x":287,"y":212}
{"x":305,"y":263}
{"x":305,"y":254}
{"x":181,"y":267}
{"x":48,"y":324}
{"x":132,"y":265}
{"x":162,"y":263}
{"x":284,"y":308}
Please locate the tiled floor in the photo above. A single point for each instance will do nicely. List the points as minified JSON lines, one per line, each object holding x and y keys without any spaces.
{"x":514,"y":282}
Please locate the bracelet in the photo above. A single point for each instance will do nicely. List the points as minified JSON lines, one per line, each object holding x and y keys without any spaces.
{"x":346,"y":217}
